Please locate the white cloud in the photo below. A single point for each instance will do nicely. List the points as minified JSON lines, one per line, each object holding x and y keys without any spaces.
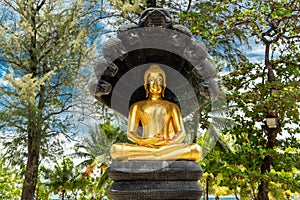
{"x":3,"y":82}
{"x":257,"y":53}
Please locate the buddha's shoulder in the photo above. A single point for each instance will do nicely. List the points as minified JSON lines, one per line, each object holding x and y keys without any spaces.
{"x":167,"y":102}
{"x":171,"y":104}
{"x":138,"y":104}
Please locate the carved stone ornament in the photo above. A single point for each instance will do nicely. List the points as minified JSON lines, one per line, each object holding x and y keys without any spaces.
{"x":154,"y":40}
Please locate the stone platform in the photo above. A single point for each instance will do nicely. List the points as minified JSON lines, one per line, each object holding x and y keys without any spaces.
{"x":155,"y":180}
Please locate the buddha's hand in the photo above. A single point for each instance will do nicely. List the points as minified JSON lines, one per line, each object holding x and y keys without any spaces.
{"x":162,"y":143}
{"x":147,"y":141}
{"x":153,"y":142}
{"x":159,"y":141}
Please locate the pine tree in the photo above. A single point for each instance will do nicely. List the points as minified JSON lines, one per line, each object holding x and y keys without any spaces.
{"x":43,"y":43}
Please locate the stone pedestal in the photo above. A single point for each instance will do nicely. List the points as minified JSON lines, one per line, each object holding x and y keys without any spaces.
{"x":155,"y":180}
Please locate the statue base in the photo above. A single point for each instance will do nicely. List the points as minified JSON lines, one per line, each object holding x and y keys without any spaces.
{"x":155,"y":180}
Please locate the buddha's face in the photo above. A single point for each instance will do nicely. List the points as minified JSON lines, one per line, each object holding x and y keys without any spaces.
{"x":155,"y":83}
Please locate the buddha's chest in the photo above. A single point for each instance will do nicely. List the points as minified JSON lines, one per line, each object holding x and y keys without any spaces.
{"x":158,"y":113}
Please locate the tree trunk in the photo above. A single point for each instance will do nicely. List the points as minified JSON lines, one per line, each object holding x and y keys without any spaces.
{"x":236,"y":196}
{"x":206,"y":188}
{"x":63,"y":194}
{"x":34,"y":125}
{"x":263,"y":188}
{"x":33,"y":145}
{"x":31,"y":174}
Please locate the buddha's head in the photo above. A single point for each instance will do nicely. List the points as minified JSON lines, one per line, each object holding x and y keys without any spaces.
{"x":155,"y":80}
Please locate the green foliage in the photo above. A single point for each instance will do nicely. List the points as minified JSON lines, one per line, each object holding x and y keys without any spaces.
{"x":64,"y":179}
{"x":128,"y":11}
{"x":97,"y":186}
{"x":208,"y":23}
{"x":127,"y":7}
{"x":69,"y":182}
{"x":256,"y":91}
{"x":94,"y":151}
{"x":10,"y":181}
{"x":96,"y":146}
{"x":42,"y":191}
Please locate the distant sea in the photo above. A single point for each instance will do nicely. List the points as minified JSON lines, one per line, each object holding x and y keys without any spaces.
{"x":221,"y":198}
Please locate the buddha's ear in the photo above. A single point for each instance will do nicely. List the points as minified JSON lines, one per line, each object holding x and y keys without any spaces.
{"x":164,"y":87}
{"x":146,"y":89}
{"x":163,"y":91}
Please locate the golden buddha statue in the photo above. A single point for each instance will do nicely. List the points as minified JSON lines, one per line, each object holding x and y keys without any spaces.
{"x":163,"y":130}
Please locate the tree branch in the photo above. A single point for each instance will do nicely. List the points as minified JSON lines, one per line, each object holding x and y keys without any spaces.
{"x":13,"y":63}
{"x":41,"y":5}
{"x":189,"y":6}
{"x":64,"y":108}
{"x":10,"y":5}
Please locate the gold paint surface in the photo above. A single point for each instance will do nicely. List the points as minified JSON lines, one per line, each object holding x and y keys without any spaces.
{"x":163,"y":129}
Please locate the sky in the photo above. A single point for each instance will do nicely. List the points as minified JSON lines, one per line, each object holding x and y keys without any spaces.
{"x":256,"y":53}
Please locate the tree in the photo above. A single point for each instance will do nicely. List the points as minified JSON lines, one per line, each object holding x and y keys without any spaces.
{"x":43,"y":43}
{"x":129,"y":11}
{"x":95,"y":151}
{"x":64,"y":179}
{"x":207,"y":22}
{"x":96,"y":146}
{"x":263,"y":97}
{"x":271,"y":96}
